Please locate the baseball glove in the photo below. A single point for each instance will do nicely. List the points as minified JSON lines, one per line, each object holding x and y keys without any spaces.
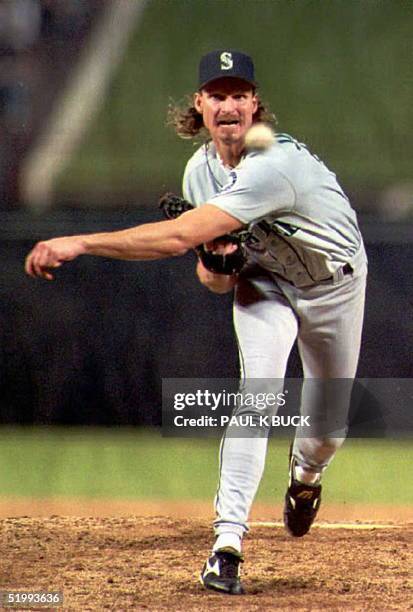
{"x":173,"y":206}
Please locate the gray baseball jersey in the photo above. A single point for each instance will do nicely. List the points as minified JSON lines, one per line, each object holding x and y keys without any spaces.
{"x":303,"y":232}
{"x":302,"y":225}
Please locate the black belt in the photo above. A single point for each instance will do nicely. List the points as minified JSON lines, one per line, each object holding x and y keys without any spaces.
{"x":346,"y":269}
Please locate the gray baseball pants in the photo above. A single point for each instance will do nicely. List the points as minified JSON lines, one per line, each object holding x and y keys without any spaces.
{"x":270,"y":314}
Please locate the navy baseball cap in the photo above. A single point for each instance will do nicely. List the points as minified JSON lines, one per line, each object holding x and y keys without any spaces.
{"x":226,"y":63}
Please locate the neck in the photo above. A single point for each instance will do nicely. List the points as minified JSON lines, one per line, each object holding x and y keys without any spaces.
{"x":230,"y":154}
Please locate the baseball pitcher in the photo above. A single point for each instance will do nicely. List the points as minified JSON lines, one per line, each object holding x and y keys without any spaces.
{"x":272,"y":223}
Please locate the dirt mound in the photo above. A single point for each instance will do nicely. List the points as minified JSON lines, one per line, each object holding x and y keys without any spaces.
{"x":185,"y":508}
{"x":152,"y":563}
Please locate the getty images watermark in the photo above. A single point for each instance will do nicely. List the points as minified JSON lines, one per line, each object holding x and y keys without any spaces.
{"x":213,"y":401}
{"x":305,"y":407}
{"x":197,"y":407}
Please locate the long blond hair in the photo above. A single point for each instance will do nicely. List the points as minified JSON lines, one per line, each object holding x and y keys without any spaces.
{"x":187,"y":121}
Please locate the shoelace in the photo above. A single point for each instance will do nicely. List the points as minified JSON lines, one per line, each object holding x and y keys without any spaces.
{"x":307,"y":509}
{"x":229,"y":565}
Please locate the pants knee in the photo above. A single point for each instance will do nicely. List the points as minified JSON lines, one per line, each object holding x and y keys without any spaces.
{"x":316,"y":452}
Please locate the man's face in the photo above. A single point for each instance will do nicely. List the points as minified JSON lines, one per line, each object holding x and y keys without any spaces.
{"x":227,"y":107}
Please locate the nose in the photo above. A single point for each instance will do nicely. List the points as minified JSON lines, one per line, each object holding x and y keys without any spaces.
{"x":228,"y":105}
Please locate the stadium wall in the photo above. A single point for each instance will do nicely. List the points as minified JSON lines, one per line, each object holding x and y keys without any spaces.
{"x":92,"y":346}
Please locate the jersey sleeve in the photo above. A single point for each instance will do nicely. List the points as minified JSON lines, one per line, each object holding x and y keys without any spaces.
{"x":186,"y":187}
{"x":256,"y":188}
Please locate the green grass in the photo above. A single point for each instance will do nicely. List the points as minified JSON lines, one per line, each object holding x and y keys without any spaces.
{"x":139,"y":464}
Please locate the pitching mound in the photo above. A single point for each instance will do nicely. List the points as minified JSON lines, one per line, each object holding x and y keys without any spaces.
{"x":135,"y":563}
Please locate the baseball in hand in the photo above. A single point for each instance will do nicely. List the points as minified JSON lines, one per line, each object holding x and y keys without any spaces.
{"x":259,"y":137}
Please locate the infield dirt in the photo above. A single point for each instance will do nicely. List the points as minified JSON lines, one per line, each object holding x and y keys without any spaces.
{"x":152,"y":563}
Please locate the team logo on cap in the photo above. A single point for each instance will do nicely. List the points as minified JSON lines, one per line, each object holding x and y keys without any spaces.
{"x":226,"y":60}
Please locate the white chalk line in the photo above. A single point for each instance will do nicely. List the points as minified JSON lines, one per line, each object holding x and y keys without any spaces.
{"x":360,"y":526}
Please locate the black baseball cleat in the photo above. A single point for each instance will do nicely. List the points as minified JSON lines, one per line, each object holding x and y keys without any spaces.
{"x":221,"y":572}
{"x":301,"y":505}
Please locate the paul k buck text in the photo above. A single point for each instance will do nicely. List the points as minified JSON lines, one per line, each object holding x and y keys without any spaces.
{"x":245,"y":420}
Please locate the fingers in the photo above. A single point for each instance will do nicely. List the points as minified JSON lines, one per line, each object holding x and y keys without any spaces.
{"x":40,"y":260}
{"x":229,"y":248}
{"x":219,"y":247}
{"x":50,"y":254}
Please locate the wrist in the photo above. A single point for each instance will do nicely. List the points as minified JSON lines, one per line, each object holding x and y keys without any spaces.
{"x":222,"y":285}
{"x":86,"y":244}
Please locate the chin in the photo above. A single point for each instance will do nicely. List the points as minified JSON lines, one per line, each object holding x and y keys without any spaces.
{"x":232,"y":139}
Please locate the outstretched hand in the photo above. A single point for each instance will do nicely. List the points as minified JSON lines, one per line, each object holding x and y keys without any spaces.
{"x":49,"y":254}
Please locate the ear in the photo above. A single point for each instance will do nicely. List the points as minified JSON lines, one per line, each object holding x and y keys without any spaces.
{"x":255,"y":102}
{"x":198,"y":102}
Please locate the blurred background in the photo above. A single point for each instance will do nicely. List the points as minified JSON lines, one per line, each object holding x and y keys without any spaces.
{"x":84,"y":89}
